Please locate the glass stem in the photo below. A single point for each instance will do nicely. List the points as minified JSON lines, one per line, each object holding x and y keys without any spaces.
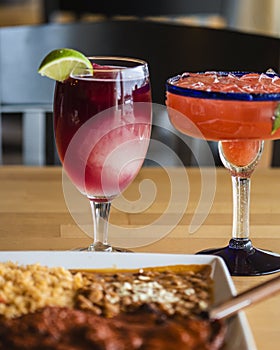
{"x":100,"y":215}
{"x":241,"y":207}
{"x":241,"y":158}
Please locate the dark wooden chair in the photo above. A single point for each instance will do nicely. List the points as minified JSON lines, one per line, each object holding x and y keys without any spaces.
{"x":170,"y":49}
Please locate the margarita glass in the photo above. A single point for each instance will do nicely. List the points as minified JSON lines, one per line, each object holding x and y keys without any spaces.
{"x":102,"y":125}
{"x":239,"y":110}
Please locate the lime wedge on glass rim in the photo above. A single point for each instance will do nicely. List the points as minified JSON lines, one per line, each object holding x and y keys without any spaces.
{"x":59,"y":63}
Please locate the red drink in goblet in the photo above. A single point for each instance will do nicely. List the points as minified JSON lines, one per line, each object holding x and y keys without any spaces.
{"x":102,"y":124}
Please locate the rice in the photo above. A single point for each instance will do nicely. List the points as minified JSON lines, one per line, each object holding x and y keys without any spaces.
{"x":27,"y":288}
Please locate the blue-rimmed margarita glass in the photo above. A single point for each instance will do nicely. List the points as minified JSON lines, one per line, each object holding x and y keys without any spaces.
{"x":239,"y":110}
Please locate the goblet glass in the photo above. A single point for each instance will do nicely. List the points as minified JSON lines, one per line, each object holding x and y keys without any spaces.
{"x":239,"y":110}
{"x":102,"y":126}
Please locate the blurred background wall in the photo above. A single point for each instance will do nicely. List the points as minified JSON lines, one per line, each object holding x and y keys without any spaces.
{"x":257,"y":16}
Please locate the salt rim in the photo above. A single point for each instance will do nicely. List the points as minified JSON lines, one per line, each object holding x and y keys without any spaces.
{"x":222,"y":95}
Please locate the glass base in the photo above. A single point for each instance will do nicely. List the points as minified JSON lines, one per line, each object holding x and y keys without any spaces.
{"x":100,"y":247}
{"x":242,"y":259}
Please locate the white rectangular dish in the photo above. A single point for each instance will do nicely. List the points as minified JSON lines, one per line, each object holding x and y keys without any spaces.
{"x":239,"y":334}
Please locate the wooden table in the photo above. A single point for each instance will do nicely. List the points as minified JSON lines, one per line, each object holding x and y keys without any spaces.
{"x":34,"y":216}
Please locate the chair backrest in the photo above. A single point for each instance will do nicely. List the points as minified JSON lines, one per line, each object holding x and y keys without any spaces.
{"x":169,"y":48}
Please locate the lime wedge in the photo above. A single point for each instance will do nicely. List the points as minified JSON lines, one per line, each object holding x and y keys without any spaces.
{"x":58,"y":64}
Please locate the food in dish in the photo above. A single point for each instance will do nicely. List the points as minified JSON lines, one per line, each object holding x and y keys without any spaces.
{"x":151,"y":308}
